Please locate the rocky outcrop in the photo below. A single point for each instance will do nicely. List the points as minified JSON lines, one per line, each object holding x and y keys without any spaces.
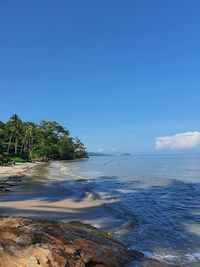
{"x":27,"y":243}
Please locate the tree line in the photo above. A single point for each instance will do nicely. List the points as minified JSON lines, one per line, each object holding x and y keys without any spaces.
{"x":47,"y":140}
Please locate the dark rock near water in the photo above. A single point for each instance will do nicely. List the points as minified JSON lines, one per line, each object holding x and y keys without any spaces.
{"x":16,"y":178}
{"x":27,"y":243}
{"x":10,"y":182}
{"x":4,"y":188}
{"x":81,"y":180}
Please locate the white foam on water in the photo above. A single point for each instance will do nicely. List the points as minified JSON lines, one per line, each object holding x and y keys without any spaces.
{"x":104,"y":195}
{"x":90,"y":196}
{"x":100,"y":195}
{"x":96,"y":225}
{"x":189,"y":258}
{"x":124,"y":190}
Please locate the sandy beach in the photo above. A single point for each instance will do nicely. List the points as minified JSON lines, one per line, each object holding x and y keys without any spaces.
{"x":42,"y":202}
{"x":18,"y":169}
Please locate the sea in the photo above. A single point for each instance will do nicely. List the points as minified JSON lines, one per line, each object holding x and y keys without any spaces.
{"x":151,"y":203}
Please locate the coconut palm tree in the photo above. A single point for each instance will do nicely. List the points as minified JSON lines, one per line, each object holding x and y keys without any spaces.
{"x":14,"y":129}
{"x":28,"y":130}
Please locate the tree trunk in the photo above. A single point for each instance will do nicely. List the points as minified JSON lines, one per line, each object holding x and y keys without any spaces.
{"x":16,"y":145}
{"x":21,"y":148}
{"x":10,"y":139}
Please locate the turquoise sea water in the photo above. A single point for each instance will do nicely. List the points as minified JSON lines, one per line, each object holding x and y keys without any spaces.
{"x":149,"y":202}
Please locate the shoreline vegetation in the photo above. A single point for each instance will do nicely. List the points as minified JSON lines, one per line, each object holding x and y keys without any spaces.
{"x":29,"y":142}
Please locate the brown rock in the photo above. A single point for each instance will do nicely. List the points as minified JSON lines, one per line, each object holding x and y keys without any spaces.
{"x":27,"y":243}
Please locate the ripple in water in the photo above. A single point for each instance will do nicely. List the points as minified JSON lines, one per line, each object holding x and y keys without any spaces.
{"x":155,"y":202}
{"x":151,"y":203}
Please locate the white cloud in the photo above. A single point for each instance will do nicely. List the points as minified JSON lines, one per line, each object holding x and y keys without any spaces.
{"x":100,"y":150}
{"x":114,"y":149}
{"x":178,"y":141}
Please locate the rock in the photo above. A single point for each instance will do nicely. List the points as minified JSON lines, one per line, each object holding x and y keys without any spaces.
{"x":4,"y":188}
{"x":28,"y":243}
{"x":16,"y":178}
{"x":81,"y":180}
{"x":10,"y":182}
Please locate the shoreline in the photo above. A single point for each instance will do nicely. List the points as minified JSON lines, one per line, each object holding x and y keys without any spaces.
{"x":78,"y":246}
{"x":18,"y":169}
{"x":11,"y":176}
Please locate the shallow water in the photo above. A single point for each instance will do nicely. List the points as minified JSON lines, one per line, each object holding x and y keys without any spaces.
{"x":151,"y":203}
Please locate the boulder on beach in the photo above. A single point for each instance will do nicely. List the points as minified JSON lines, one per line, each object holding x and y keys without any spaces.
{"x":28,"y":243}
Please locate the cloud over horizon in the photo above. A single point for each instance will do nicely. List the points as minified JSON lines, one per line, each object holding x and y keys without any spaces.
{"x":178,"y":141}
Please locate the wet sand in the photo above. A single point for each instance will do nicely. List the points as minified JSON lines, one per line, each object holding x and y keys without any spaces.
{"x":40,"y":195}
{"x":66,"y":205}
{"x":18,"y":169}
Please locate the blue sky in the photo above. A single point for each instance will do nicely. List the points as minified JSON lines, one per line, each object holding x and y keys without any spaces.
{"x":117,"y":74}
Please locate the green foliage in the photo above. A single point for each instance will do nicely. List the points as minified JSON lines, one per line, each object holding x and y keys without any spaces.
{"x":16,"y":159}
{"x":3,"y":158}
{"x":22,"y":141}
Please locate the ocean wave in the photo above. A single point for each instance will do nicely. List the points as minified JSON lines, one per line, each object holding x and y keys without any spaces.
{"x":126,"y":227}
{"x":174,"y":259}
{"x":99,"y":195}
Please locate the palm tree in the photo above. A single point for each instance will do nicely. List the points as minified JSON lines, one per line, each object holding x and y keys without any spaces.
{"x":14,"y":127}
{"x":28,"y":129}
